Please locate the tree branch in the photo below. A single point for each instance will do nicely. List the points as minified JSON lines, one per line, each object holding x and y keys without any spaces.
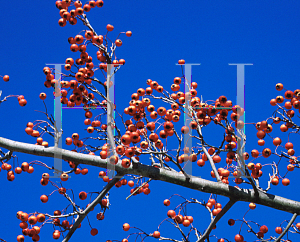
{"x":287,"y":227}
{"x":216,"y":219}
{"x":247,"y":195}
{"x":81,"y":217}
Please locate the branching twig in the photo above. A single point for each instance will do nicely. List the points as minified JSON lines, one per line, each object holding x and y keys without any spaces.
{"x":91,"y":207}
{"x":287,"y":227}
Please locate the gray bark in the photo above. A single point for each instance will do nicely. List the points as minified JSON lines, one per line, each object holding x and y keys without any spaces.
{"x":196,"y":183}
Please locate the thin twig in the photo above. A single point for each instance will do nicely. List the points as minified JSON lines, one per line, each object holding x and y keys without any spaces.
{"x":287,"y":227}
{"x":216,"y":219}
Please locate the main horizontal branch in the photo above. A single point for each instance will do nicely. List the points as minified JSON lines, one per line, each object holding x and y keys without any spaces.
{"x":195,"y":183}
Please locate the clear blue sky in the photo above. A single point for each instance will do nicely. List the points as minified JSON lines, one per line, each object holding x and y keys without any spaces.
{"x":213,"y":33}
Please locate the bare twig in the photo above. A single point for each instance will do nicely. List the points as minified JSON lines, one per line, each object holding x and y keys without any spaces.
{"x":287,"y":227}
{"x":216,"y":219}
{"x":81,"y":217}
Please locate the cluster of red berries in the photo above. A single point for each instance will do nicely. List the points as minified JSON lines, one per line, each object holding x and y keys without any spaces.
{"x":31,"y":221}
{"x":70,"y":16}
{"x":25,"y":167}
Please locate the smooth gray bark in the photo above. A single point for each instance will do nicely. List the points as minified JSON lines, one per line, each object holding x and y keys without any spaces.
{"x":162,"y":174}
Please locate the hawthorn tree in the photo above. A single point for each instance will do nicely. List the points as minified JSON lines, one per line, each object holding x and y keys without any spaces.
{"x":146,"y":143}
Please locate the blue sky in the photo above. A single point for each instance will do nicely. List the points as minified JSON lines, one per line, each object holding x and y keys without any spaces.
{"x":213,"y":33}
